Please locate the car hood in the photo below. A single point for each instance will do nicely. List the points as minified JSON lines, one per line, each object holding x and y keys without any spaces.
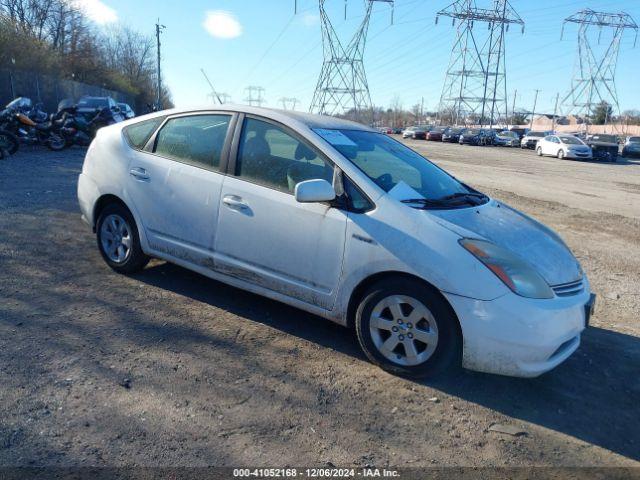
{"x":518,"y":233}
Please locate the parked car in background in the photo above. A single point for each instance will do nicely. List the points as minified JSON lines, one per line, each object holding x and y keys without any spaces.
{"x":476,"y":136}
{"x":631,"y":147}
{"x":127,"y":111}
{"x":88,"y":106}
{"x":452,"y":134}
{"x":563,"y":146}
{"x":435,"y":134}
{"x":430,"y":272}
{"x":521,"y":131}
{"x":415,"y":132}
{"x":530,"y":140}
{"x":397,"y":131}
{"x":604,"y":147}
{"x":507,"y":138}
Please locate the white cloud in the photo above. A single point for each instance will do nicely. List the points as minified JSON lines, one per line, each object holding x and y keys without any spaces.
{"x":96,"y":11}
{"x":221,"y":24}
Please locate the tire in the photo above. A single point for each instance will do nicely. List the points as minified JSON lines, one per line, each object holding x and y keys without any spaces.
{"x":539,"y":151}
{"x":56,"y":142}
{"x":560,"y":154}
{"x":9,"y":143}
{"x":116,"y":225}
{"x":438,"y":326}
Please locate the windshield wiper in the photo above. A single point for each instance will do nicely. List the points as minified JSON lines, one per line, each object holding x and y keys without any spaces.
{"x":479,"y":197}
{"x":459,"y":198}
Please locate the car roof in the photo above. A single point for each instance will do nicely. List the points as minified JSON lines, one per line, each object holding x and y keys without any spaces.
{"x":283,"y":116}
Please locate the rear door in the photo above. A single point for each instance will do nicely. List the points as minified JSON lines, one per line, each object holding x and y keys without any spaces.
{"x":265,"y":236}
{"x":175,"y":184}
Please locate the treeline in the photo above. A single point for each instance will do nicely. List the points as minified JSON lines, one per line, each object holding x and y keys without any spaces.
{"x":55,"y":37}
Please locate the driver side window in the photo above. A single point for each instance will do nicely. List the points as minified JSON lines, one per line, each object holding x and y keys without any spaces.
{"x":271,"y":157}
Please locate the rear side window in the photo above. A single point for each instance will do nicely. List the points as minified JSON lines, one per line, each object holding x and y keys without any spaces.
{"x":197,"y":140}
{"x":138,"y":134}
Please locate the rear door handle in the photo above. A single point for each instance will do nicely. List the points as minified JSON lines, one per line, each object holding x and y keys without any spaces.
{"x":235,"y":202}
{"x":139,"y":174}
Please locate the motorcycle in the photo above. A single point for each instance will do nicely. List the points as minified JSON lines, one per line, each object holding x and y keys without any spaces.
{"x":16,"y":120}
{"x":77,"y":130}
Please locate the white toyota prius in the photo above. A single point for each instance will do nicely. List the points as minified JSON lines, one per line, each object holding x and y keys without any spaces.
{"x":344,"y":222}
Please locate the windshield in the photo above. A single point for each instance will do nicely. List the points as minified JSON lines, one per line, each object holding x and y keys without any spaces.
{"x":634,"y":139}
{"x":507,"y":133}
{"x":391,"y":165}
{"x":20,"y":103}
{"x":570,"y":140}
{"x":473,"y":132}
{"x":93,"y":103}
{"x":605,"y":138}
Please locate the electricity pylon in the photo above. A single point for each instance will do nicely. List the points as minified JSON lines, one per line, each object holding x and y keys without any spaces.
{"x":594,"y":73}
{"x":342,"y":86}
{"x":254,"y":96}
{"x":475,"y":87}
{"x":289,"y":103}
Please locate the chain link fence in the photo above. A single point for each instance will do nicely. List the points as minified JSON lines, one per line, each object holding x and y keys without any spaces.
{"x":49,"y":90}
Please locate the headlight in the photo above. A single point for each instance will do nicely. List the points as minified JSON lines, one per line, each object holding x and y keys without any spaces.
{"x":514,"y":272}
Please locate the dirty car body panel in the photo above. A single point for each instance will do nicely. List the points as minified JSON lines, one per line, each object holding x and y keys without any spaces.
{"x":315,"y":256}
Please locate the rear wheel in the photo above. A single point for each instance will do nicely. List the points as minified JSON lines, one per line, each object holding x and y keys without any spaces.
{"x":539,"y":151}
{"x":560,"y":154}
{"x":56,"y":142}
{"x":405,"y":328}
{"x":9,"y":143}
{"x":119,"y":241}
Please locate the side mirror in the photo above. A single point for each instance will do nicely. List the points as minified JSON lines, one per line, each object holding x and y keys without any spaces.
{"x":315,"y":191}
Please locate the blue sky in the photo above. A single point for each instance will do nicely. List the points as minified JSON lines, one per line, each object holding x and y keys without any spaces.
{"x":282,"y":52}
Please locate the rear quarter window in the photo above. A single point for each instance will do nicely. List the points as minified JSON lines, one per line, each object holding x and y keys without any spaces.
{"x":138,"y":134}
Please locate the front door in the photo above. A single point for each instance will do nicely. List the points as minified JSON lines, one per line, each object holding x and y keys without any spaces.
{"x":264,"y":235}
{"x":176,"y":187}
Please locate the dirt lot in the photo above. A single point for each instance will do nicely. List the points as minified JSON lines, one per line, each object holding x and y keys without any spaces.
{"x":170,"y":368}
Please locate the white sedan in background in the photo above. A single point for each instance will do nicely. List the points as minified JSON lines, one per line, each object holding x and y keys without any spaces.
{"x":340,"y":220}
{"x":564,"y":146}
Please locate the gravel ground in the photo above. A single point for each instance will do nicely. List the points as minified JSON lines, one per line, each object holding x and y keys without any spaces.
{"x":168,"y":368}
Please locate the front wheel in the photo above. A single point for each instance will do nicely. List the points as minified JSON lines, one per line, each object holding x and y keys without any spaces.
{"x":119,"y":241}
{"x":560,"y":154}
{"x":407,"y":329}
{"x":539,"y":151}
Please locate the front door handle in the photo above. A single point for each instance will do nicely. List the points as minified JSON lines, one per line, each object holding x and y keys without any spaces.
{"x":139,"y":174}
{"x":235,"y":202}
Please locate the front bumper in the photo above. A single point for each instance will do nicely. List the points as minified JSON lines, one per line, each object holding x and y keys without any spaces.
{"x":578,"y":155}
{"x":520,"y":337}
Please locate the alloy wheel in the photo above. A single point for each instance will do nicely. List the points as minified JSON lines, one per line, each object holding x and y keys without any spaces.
{"x":403,"y":330}
{"x":116,"y":238}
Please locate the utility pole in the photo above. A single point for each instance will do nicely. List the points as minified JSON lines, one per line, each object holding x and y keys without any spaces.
{"x":422,"y":110}
{"x":555,"y":112}
{"x":533,"y":112}
{"x":513,"y":108}
{"x":159,"y":29}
